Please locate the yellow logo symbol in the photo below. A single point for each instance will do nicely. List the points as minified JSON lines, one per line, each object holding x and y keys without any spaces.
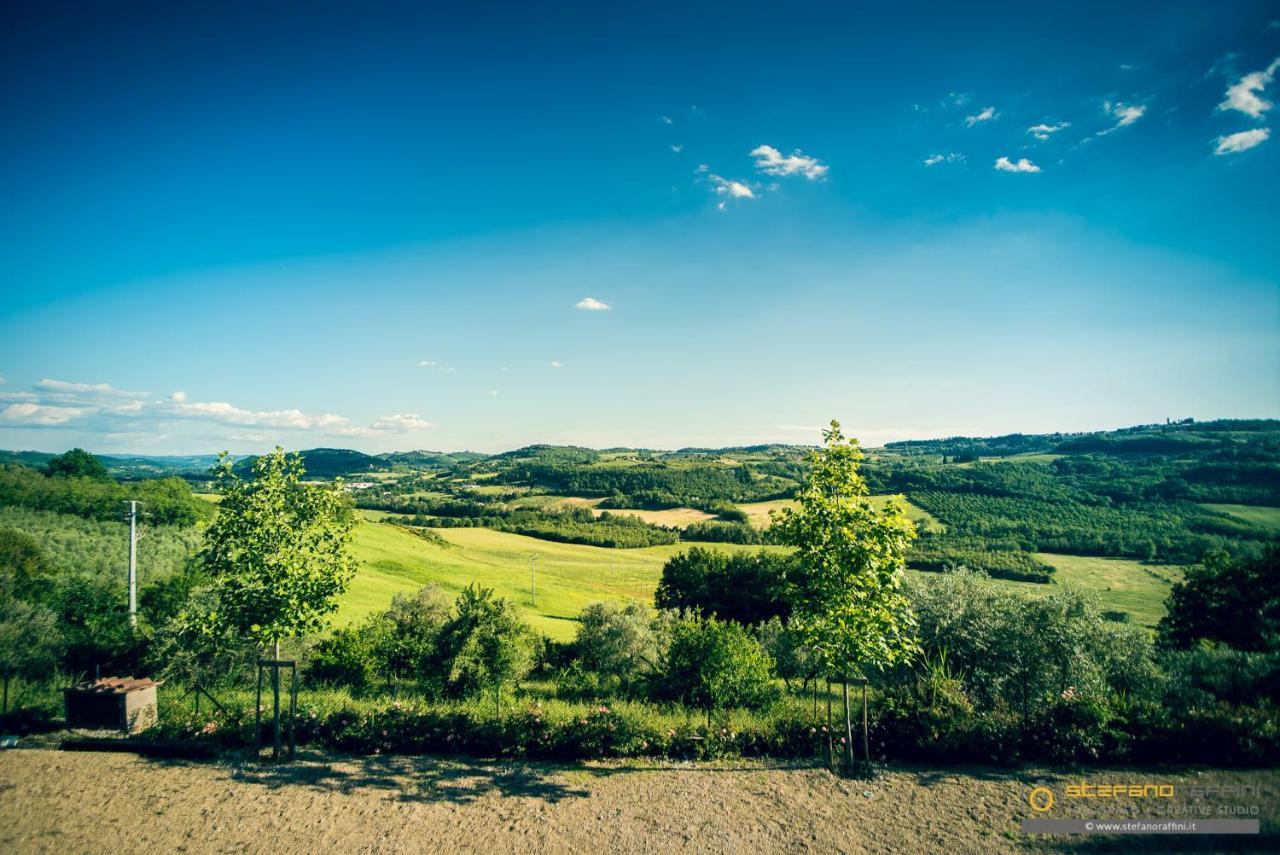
{"x":1040,"y":799}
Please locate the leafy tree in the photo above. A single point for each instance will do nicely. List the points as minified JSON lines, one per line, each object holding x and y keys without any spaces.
{"x":1235,"y":601}
{"x":615,"y":641}
{"x":277,"y":552}
{"x":402,"y":639}
{"x":484,"y":645}
{"x":30,"y":642}
{"x":849,"y":609}
{"x":24,"y":570}
{"x":715,"y":664}
{"x":276,"y":555}
{"x":77,"y":463}
{"x":791,"y":659}
{"x":741,"y":587}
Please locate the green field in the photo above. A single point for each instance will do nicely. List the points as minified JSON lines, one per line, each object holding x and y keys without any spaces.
{"x":1259,"y":515}
{"x":758,"y":512}
{"x":569,"y":576}
{"x":1122,"y":585}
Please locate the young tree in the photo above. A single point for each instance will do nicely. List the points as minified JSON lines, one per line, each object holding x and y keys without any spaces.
{"x":276,"y":554}
{"x":849,"y":607}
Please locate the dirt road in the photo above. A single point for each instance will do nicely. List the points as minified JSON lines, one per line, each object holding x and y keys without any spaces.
{"x":52,"y":801}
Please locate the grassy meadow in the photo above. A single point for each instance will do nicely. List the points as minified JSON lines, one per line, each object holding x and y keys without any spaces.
{"x":1260,"y":515}
{"x":569,"y":576}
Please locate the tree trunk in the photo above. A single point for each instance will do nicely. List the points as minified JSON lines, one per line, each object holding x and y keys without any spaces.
{"x":275,"y":691}
{"x":866,"y":738}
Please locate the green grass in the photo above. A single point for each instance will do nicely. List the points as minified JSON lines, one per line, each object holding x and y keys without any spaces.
{"x":758,"y":512}
{"x":1259,"y":515}
{"x":569,"y":576}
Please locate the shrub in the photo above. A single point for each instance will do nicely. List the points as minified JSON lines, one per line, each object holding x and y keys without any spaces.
{"x":714,"y":664}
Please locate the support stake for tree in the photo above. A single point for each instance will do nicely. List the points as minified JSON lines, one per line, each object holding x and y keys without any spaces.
{"x":848,"y":729}
{"x":829,"y":746}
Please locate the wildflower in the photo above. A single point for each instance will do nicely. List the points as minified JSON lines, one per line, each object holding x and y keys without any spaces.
{"x":842,"y":740}
{"x":644,"y":743}
{"x":604,"y":709}
{"x":384,"y":732}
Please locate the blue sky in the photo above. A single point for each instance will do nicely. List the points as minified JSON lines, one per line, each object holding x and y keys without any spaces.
{"x":480,"y":226}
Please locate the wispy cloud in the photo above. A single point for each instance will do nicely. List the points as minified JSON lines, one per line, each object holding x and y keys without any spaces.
{"x":987,"y":114}
{"x":730,"y":188}
{"x":1044,"y":131}
{"x":1004,"y":164}
{"x":591,"y":304}
{"x":770,"y":161}
{"x":666,"y":120}
{"x":102,"y":408}
{"x":677,"y":148}
{"x":1124,"y":115}
{"x":428,"y":363}
{"x":950,"y":157}
{"x":555,"y":363}
{"x":1242,"y":141}
{"x":1245,"y":95}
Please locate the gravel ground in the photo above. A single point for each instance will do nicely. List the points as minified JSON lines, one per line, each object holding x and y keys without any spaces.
{"x":54,"y":801}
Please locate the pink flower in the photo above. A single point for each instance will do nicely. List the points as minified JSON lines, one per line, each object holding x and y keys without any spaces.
{"x":604,"y":709}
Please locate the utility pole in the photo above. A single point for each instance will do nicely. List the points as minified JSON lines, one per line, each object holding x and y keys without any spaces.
{"x":533,"y":580}
{"x":133,"y":564}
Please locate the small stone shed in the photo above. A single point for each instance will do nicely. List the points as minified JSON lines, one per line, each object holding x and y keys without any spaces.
{"x":112,"y":703}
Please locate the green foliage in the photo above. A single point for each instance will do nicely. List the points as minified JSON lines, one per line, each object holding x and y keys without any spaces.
{"x":613,"y":652}
{"x":277,"y":553}
{"x":738,"y":586}
{"x":485,"y":645}
{"x":77,"y":463}
{"x":1235,"y":601}
{"x":30,"y":640}
{"x":849,"y":608}
{"x":24,"y":570}
{"x":714,"y":664}
{"x":165,"y":501}
{"x":403,"y":639}
{"x":715,"y":531}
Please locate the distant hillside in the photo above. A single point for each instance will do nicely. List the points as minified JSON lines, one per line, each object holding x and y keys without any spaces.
{"x":326,"y":463}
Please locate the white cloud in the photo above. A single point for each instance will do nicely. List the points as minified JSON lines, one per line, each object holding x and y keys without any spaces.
{"x":1242,"y":141}
{"x":40,"y":415}
{"x":178,"y":397}
{"x":986,"y":115}
{"x":427,"y":363}
{"x":1042,"y":131}
{"x":677,"y":148}
{"x":1004,"y":164}
{"x":555,"y":363}
{"x":96,"y":390}
{"x":1124,"y":114}
{"x":2,"y":380}
{"x":770,"y":161}
{"x":591,"y":304}
{"x":950,"y":157}
{"x":960,"y":99}
{"x":493,"y":393}
{"x":401,"y":423}
{"x":666,"y":120}
{"x":730,"y":188}
{"x":1245,"y":94}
